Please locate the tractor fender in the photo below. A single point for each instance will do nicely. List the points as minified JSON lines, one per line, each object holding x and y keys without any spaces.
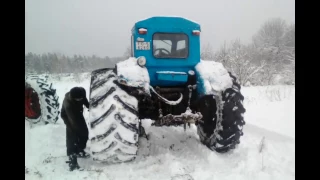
{"x":131,"y":74}
{"x":212,"y":77}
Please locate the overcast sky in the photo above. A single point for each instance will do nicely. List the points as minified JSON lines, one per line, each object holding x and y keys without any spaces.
{"x":102,"y":27}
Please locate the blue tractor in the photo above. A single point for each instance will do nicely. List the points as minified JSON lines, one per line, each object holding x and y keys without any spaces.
{"x":165,"y":81}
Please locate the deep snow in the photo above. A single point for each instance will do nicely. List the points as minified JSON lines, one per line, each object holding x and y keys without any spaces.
{"x":174,"y":154}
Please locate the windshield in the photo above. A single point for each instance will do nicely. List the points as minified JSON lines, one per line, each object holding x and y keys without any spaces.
{"x":170,"y":45}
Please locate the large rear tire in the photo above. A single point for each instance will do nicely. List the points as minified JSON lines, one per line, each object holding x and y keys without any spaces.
{"x":228,"y":136}
{"x":113,"y":120}
{"x":41,"y":100}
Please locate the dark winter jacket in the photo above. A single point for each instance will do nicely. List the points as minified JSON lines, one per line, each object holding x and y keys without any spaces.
{"x":72,"y":112}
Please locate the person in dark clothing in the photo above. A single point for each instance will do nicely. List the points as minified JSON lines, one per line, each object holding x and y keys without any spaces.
{"x":76,"y":128}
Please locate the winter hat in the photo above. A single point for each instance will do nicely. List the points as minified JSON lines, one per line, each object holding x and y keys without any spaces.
{"x":76,"y":93}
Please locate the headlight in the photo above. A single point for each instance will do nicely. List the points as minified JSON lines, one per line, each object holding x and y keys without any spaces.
{"x":191,"y":72}
{"x":142,"y":61}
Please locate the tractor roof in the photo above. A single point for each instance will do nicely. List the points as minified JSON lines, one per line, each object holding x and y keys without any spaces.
{"x":161,"y":22}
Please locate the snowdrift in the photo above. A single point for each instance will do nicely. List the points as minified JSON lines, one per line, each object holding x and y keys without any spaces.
{"x":267,"y":150}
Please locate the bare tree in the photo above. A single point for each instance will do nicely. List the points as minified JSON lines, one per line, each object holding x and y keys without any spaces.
{"x":271,"y":33}
{"x":289,"y":37}
{"x":275,"y":42}
{"x":238,"y":60}
{"x":127,"y":53}
{"x":222,"y":54}
{"x":207,"y":52}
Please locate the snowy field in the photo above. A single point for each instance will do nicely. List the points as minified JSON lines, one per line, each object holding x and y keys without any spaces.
{"x":172,"y":154}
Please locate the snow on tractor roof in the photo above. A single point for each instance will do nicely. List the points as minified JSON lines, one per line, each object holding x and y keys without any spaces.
{"x":165,"y":21}
{"x":188,"y":19}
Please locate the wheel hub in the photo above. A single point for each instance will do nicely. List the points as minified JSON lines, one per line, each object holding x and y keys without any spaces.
{"x":32,"y":104}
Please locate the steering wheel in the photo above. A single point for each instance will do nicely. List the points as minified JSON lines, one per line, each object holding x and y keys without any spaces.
{"x":161,"y":50}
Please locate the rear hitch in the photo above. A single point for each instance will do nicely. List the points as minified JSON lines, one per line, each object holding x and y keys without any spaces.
{"x":185,"y":118}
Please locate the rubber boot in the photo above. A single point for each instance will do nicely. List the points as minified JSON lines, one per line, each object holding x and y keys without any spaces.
{"x":73,"y":163}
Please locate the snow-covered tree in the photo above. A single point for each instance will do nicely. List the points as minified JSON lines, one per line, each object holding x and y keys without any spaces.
{"x":207,"y":52}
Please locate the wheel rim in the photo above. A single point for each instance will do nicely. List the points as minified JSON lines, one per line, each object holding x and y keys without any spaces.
{"x":32,"y":104}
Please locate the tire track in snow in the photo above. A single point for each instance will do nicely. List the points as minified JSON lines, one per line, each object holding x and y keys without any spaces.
{"x":267,"y":133}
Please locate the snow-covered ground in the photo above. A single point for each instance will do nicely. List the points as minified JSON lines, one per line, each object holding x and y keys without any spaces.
{"x":172,"y":154}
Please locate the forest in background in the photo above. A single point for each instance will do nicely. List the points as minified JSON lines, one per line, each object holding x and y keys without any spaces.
{"x":268,"y":59}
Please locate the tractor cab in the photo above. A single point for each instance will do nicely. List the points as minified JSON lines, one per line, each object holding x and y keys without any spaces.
{"x":169,"y":46}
